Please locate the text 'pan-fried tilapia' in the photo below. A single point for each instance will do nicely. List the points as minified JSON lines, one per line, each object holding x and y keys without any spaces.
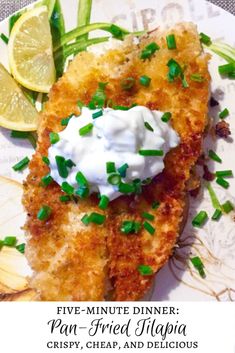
{"x":74,"y":262}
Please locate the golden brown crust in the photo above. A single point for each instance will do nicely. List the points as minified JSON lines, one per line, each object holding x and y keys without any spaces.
{"x":71,"y":261}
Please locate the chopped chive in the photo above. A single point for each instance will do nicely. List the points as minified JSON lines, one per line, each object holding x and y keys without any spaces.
{"x":97,"y":114}
{"x":65,"y":121}
{"x":222,"y":182}
{"x":110,"y":167}
{"x":224,"y":114}
{"x":99,"y":98}
{"x":205,"y":39}
{"x":137,"y":184}
{"x":200,"y":219}
{"x":130,"y":227}
{"x":127,"y":83}
{"x":171,"y":42}
{"x":44,"y":213}
{"x":70,"y":164}
{"x":21,"y":165}
{"x":126,"y":188}
{"x":85,"y":219}
{"x":227,"y":207}
{"x":123,"y":169}
{"x":80,"y":104}
{"x":149,"y":50}
{"x":67,"y":188}
{"x":1,"y":244}
{"x":155,"y":205}
{"x":117,"y":32}
{"x":184,"y":81}
{"x":224,"y":173}
{"x":226,"y":69}
{"x":148,"y":216}
{"x":145,"y":81}
{"x":82,"y":192}
{"x":148,"y":126}
{"x":4,"y":38}
{"x":114,"y":179}
{"x":54,"y":138}
{"x":231,"y":74}
{"x":197,"y":263}
{"x":97,"y":218}
{"x":150,"y":229}
{"x":216,"y":215}
{"x":61,"y":165}
{"x":19,"y":134}
{"x":47,"y":180}
{"x":65,"y":198}
{"x":197,"y":78}
{"x":166,"y":117}
{"x":21,"y":248}
{"x":145,"y":270}
{"x":104,"y":202}
{"x":86,"y":129}
{"x":151,"y":153}
{"x":213,"y":196}
{"x":214,"y":156}
{"x":81,"y":179}
{"x":10,"y":241}
{"x":175,"y":70}
{"x":46,"y":160}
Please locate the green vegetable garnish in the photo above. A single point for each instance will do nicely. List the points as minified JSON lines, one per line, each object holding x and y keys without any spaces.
{"x":4,"y":38}
{"x":166,"y":117}
{"x":125,"y":188}
{"x":197,"y":263}
{"x":21,"y":248}
{"x":151,"y":153}
{"x":97,"y":218}
{"x":217,"y":214}
{"x":86,"y":129}
{"x":214,"y":156}
{"x":197,"y":78}
{"x":155,"y":205}
{"x":227,"y":207}
{"x":176,"y":71}
{"x":104,"y":202}
{"x":205,"y":39}
{"x":97,"y":114}
{"x":54,"y":138}
{"x":222,"y":182}
{"x":21,"y":165}
{"x":114,"y":179}
{"x":148,"y":126}
{"x":224,"y":114}
{"x":82,"y":192}
{"x":10,"y":241}
{"x":46,"y":160}
{"x":67,"y":188}
{"x":145,"y":270}
{"x":200,"y":219}
{"x":150,"y":229}
{"x":47,"y":180}
{"x":99,"y":98}
{"x":110,"y":167}
{"x":123,"y":169}
{"x":224,"y":173}
{"x":81,"y":179}
{"x":65,"y":121}
{"x":61,"y":166}
{"x":130,"y":227}
{"x":145,"y":81}
{"x":44,"y":213}
{"x":65,"y":198}
{"x":148,"y":216}
{"x":149,"y":51}
{"x":171,"y":42}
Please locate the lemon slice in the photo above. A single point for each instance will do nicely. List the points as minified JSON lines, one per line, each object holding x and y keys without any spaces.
{"x":16,"y":112}
{"x":30,"y":51}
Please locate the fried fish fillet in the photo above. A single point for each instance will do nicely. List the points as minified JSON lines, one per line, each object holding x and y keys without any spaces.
{"x":74,"y":262}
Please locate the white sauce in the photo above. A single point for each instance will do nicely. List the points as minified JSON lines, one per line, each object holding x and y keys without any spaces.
{"x":117,"y":137}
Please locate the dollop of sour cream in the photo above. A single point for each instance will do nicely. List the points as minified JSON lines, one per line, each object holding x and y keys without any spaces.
{"x":117,"y":136}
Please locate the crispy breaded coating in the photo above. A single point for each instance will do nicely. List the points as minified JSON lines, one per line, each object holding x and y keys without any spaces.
{"x":75,"y":262}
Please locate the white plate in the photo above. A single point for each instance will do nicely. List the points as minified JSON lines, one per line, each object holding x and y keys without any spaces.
{"x":215,"y":243}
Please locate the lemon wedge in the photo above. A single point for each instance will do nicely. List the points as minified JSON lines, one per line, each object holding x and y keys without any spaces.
{"x":31,"y":52}
{"x":16,"y":112}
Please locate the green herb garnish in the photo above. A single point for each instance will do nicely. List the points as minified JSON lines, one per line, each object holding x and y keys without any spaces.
{"x":44,"y":213}
{"x":21,"y":165}
{"x":200,"y":219}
